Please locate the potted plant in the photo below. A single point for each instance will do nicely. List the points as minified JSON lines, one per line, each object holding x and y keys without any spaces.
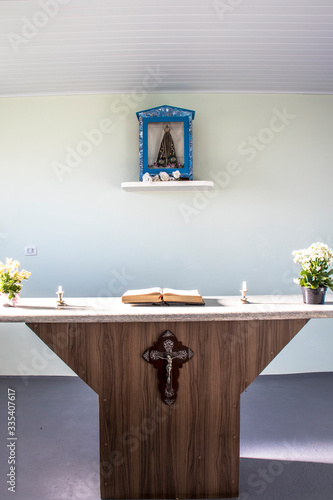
{"x":315,"y":276}
{"x":11,"y":281}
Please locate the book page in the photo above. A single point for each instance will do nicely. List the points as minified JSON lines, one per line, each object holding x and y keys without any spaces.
{"x":144,"y":291}
{"x":186,"y":293}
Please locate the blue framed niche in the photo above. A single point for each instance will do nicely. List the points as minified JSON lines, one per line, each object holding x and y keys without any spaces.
{"x":166,"y":141}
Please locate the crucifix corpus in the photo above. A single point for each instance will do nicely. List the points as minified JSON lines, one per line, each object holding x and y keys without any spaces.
{"x":168,"y":355}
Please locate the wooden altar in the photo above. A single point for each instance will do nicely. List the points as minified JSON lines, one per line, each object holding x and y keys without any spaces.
{"x":150,"y":448}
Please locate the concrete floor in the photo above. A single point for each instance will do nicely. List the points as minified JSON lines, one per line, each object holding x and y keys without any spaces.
{"x":286,"y":439}
{"x":57,"y":453}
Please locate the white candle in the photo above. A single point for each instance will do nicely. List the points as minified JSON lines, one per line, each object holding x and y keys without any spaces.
{"x":59,"y":288}
{"x":244,"y":286}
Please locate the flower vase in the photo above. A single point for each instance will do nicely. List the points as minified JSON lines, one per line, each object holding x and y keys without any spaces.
{"x":314,"y":296}
{"x":6,"y":301}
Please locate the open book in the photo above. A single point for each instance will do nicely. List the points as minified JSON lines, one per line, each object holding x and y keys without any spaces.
{"x":160,"y":296}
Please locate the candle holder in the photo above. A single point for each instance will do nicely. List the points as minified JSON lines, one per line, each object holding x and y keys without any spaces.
{"x":243,"y":297}
{"x":60,"y":301}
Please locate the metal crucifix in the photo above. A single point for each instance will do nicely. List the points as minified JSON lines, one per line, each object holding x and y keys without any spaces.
{"x":168,"y":355}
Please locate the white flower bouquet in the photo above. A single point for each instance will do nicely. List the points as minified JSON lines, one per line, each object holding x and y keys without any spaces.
{"x":11,"y":278}
{"x":315,"y":262}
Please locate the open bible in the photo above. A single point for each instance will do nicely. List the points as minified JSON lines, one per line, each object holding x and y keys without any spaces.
{"x":162,"y":296}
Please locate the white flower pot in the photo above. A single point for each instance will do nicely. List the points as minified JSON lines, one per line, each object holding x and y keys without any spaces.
{"x":9,"y":302}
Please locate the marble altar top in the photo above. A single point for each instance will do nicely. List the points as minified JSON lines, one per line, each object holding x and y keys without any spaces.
{"x":111,"y":309}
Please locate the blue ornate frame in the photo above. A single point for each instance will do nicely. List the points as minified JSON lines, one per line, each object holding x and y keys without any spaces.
{"x":166,"y":114}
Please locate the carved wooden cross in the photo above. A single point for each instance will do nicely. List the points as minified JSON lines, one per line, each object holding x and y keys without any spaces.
{"x":168,"y":356}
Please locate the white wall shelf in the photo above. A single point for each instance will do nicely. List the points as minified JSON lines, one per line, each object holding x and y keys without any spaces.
{"x":168,"y":186}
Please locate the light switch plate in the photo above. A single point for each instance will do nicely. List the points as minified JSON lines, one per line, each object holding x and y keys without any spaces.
{"x":30,"y":251}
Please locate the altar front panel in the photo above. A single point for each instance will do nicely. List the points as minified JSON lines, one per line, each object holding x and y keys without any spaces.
{"x":147,"y":448}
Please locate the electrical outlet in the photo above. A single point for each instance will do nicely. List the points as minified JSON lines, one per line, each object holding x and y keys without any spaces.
{"x":30,"y":250}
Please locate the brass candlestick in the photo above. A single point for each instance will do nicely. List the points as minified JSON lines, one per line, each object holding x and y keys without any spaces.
{"x":60,"y":301}
{"x":243,"y":297}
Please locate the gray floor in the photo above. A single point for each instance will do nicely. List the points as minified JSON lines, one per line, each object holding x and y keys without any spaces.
{"x":286,"y":439}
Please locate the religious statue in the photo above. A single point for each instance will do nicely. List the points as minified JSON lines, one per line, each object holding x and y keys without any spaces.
{"x":167,"y":152}
{"x":166,"y":143}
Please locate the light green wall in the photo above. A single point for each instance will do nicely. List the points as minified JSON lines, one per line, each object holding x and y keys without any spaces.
{"x":94,"y":239}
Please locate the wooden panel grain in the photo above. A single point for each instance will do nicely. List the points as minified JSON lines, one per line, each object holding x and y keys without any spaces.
{"x":149,"y":449}
{"x":186,"y":450}
{"x":261,"y":343}
{"x":79,"y":345}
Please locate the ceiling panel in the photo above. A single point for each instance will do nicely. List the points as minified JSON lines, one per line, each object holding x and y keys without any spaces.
{"x":84,"y":46}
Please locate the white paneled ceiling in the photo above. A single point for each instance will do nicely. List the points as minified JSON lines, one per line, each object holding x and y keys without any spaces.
{"x":101,"y":46}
